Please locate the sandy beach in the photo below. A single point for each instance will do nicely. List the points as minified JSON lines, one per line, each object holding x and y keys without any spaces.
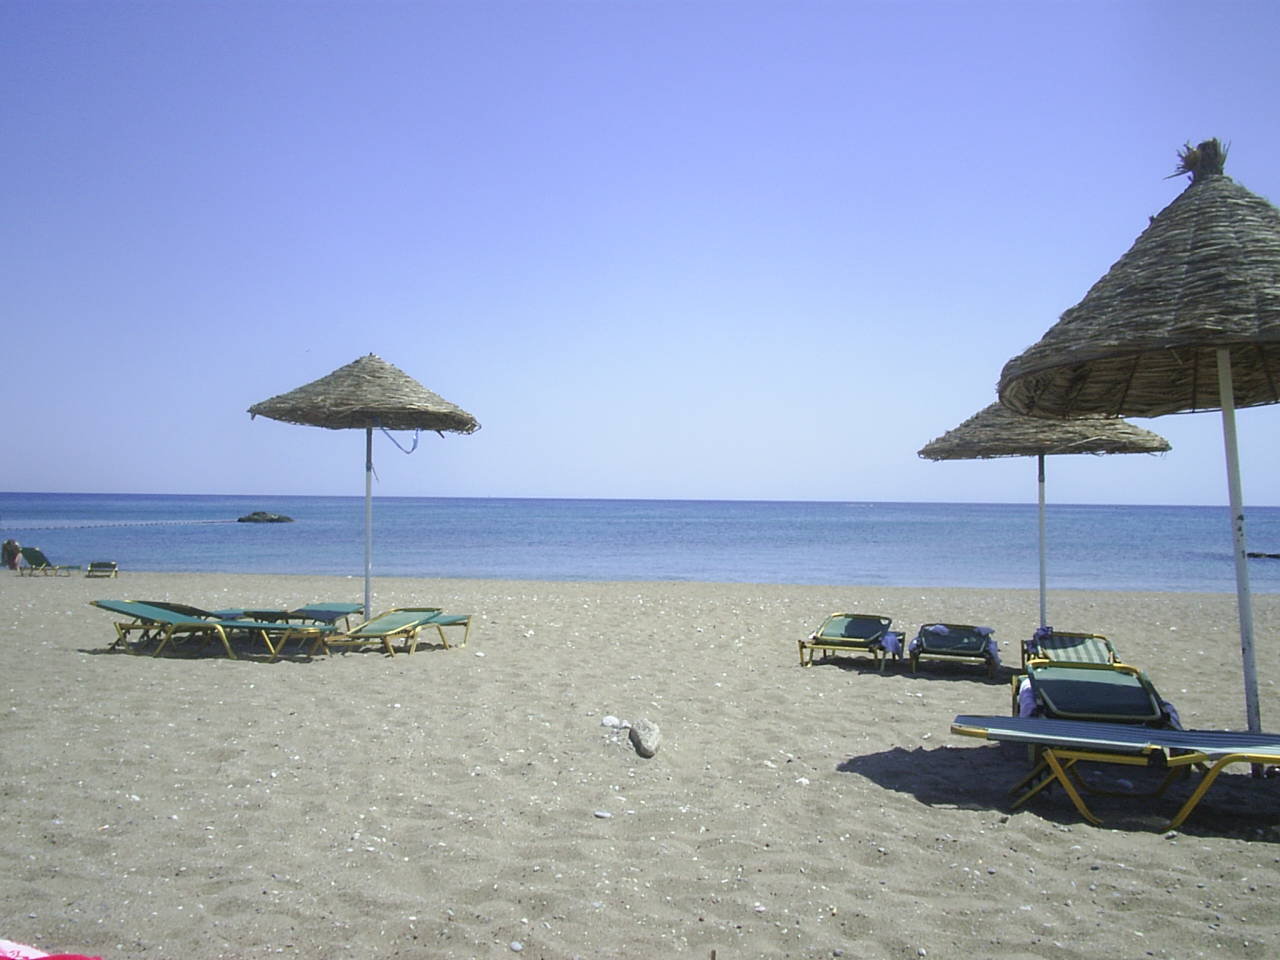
{"x":470,"y":803}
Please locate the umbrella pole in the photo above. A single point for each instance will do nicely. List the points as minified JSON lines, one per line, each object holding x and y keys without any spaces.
{"x":1043,"y":615}
{"x":1244,"y":598}
{"x":368,"y":522}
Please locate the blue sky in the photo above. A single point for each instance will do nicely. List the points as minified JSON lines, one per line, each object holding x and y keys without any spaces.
{"x":659,"y":248}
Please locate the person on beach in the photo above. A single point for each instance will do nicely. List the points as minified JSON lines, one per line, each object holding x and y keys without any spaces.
{"x":11,"y":551}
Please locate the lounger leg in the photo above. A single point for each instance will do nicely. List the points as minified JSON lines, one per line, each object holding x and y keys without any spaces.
{"x":1205,"y":783}
{"x":1049,"y":770}
{"x":800,"y":643}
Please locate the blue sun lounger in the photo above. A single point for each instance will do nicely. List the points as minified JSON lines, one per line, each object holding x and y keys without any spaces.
{"x":1105,"y":692}
{"x":403,"y":624}
{"x":166,"y":626}
{"x":1062,"y":744}
{"x":853,"y":633}
{"x":955,"y":641}
{"x":1068,"y":646}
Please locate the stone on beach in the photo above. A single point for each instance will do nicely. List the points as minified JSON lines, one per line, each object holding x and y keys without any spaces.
{"x":646,"y":737}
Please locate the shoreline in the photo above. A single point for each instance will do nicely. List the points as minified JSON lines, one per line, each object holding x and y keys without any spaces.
{"x":449,"y":803}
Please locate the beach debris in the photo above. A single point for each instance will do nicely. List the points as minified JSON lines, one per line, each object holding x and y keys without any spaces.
{"x":603,"y":815}
{"x":646,"y":737}
{"x":609,"y":720}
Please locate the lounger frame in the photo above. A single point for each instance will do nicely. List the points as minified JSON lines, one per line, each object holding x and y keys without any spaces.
{"x":868,"y":633}
{"x":1064,"y":744}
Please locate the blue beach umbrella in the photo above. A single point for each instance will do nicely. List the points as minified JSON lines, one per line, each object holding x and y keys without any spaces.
{"x":365,"y":394}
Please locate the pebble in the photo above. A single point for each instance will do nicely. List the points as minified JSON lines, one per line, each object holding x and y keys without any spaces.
{"x":603,"y":815}
{"x":517,"y":946}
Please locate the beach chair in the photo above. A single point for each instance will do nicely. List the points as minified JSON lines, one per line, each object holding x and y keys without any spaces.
{"x":1066,"y":646}
{"x":101,"y":568}
{"x":1102,"y":692}
{"x":955,"y":641}
{"x":167,"y":627}
{"x":1063,"y":744}
{"x":853,"y":633}
{"x":403,"y":624}
{"x":37,"y":562}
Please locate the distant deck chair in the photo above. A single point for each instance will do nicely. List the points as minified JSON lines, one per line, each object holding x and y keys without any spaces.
{"x":166,"y":627}
{"x":955,"y":641}
{"x":1067,"y":646}
{"x":1098,"y":692}
{"x":848,"y":633}
{"x":1062,"y":744}
{"x":37,"y":562}
{"x":403,"y":624}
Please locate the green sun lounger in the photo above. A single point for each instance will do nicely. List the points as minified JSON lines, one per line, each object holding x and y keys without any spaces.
{"x":37,"y":562}
{"x":1102,"y":692}
{"x":403,"y":624}
{"x":1062,"y":744}
{"x":166,"y":627}
{"x":102,"y":568}
{"x":955,"y":641}
{"x":850,"y":633}
{"x":1067,"y":646}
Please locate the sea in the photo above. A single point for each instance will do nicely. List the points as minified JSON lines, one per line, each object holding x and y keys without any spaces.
{"x":1090,"y":547}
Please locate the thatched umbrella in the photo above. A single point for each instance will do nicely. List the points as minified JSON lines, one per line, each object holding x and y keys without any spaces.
{"x":366,"y":394}
{"x":996,"y":431}
{"x":1188,"y":319}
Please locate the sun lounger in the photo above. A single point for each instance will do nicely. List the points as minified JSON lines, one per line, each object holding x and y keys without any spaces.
{"x":1062,"y":744}
{"x":102,"y":568}
{"x":853,"y":633}
{"x":403,"y":624}
{"x":166,"y":626}
{"x":1066,"y":646}
{"x":1103,"y":692}
{"x":955,"y":641}
{"x":37,"y":562}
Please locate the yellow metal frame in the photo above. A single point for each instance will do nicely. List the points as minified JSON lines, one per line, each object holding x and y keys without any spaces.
{"x":409,"y":634}
{"x":849,"y":646}
{"x":1057,"y":765}
{"x":986,"y":658}
{"x":170,"y":634}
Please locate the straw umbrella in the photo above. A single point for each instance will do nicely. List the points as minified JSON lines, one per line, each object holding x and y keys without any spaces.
{"x":366,"y":394}
{"x":996,"y":431}
{"x":1188,"y":319}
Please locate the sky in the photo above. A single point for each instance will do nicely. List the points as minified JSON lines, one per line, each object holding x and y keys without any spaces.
{"x":687,"y":249}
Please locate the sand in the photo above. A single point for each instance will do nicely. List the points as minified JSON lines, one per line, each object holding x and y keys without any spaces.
{"x":470,"y":803}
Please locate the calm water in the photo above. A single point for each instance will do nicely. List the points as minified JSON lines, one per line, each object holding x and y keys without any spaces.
{"x":895,"y":544}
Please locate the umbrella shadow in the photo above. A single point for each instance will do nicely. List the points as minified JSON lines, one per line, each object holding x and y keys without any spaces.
{"x":979,"y":778}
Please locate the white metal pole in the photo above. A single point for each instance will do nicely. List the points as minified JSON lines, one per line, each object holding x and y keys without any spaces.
{"x":368,"y":522}
{"x":1244,"y":598}
{"x":1043,"y":615}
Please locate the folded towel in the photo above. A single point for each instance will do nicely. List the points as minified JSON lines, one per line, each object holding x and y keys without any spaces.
{"x":892,"y":643}
{"x":1026,"y":699}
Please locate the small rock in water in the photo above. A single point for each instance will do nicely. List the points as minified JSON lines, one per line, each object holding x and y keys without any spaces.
{"x":646,"y":737}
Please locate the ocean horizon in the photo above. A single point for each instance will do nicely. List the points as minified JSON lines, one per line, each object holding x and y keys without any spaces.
{"x":1090,"y":546}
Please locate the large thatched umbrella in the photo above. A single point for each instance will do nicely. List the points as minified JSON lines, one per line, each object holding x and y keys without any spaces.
{"x":366,"y":394}
{"x":996,"y":431}
{"x":1188,"y":319}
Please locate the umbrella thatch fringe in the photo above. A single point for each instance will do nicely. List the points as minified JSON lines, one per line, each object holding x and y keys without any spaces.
{"x":1143,"y":342}
{"x":996,"y":431}
{"x":367,"y":393}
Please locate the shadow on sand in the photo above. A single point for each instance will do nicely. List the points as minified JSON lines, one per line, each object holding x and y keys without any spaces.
{"x":978,"y":778}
